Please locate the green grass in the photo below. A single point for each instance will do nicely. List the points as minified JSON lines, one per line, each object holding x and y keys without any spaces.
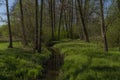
{"x":4,"y":45}
{"x":87,"y":61}
{"x":82,"y":61}
{"x":20,"y":64}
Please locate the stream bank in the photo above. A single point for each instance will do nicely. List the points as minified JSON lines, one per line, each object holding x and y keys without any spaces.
{"x":53,"y":65}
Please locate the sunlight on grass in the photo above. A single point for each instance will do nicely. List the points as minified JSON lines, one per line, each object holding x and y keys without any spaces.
{"x":4,"y":45}
{"x":88,"y":61}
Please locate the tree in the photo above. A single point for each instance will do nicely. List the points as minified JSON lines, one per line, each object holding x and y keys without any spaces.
{"x":22,"y":24}
{"x":71,"y":19}
{"x":40,"y":37}
{"x":54,"y":14}
{"x":61,"y":12}
{"x":9,"y":26}
{"x":103,"y":31}
{"x":83,"y":21}
{"x":36,"y":32}
{"x":51,"y":17}
{"x":118,"y":1}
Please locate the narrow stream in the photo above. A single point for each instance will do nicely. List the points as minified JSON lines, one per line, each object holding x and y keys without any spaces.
{"x":53,"y":65}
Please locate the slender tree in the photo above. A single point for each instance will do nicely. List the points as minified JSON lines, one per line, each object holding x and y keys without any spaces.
{"x":103,"y":32}
{"x":22,"y":24}
{"x":66,"y":23}
{"x":83,"y":20}
{"x":65,"y":15}
{"x":54,"y":14}
{"x":71,"y":18}
{"x":51,"y":17}
{"x":9,"y":25}
{"x":118,"y":1}
{"x":41,"y":21}
{"x":78,"y":20}
{"x":60,"y":19}
{"x":36,"y":29}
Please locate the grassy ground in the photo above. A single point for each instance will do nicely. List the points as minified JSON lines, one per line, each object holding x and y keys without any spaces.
{"x":82,"y":61}
{"x":20,"y":64}
{"x":87,"y":61}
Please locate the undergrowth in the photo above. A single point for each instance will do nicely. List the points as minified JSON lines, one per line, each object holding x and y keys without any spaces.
{"x":21,"y":64}
{"x":88,"y":61}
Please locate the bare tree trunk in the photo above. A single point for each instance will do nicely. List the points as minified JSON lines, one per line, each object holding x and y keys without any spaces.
{"x":68,"y":18}
{"x":118,"y":1}
{"x":103,"y":27}
{"x":54,"y":14}
{"x":36,"y":31}
{"x":41,"y":21}
{"x":9,"y":26}
{"x":60,"y":19}
{"x":78,"y":22}
{"x":83,"y":22}
{"x":66,"y":23}
{"x":77,"y":13}
{"x":72,"y":16}
{"x":22,"y":24}
{"x":71,"y":19}
{"x":51,"y":16}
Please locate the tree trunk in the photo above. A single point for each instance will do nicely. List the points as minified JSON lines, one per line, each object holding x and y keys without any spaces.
{"x":54,"y":13}
{"x":40,"y":37}
{"x":22,"y":24}
{"x":71,"y":18}
{"x":60,"y":19}
{"x":118,"y":1}
{"x":83,"y":22}
{"x":9,"y":26}
{"x":66,"y":24}
{"x":36,"y":30}
{"x":103,"y":32}
{"x":51,"y":17}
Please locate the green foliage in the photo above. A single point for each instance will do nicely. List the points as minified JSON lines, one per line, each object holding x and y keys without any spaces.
{"x":113,"y":34}
{"x":87,"y":61}
{"x":19,"y":64}
{"x":3,"y":31}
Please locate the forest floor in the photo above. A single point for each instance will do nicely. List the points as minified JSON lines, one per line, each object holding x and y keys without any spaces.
{"x":88,"y":61}
{"x":72,"y":60}
{"x":20,"y":63}
{"x":53,"y":65}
